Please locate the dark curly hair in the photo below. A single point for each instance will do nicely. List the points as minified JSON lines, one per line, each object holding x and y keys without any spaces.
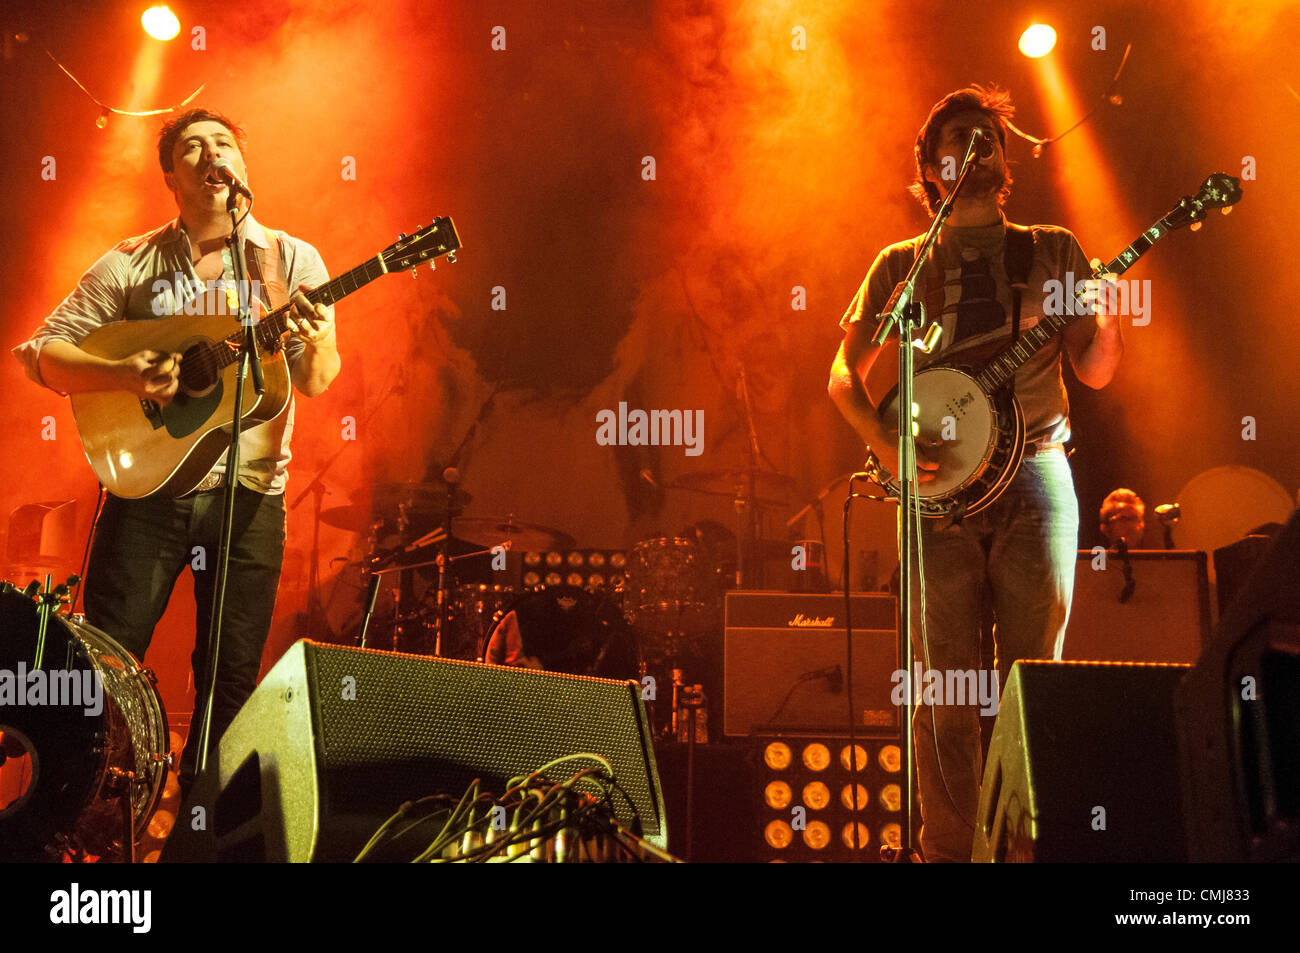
{"x":171,"y":131}
{"x":991,"y":100}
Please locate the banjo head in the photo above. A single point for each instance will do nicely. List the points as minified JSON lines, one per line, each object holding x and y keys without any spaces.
{"x":953,"y":408}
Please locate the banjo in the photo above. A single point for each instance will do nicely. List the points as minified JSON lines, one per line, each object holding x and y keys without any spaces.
{"x":970,"y":407}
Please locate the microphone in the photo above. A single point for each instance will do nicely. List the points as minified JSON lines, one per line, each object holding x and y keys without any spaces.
{"x":227,"y":175}
{"x":983,"y":143}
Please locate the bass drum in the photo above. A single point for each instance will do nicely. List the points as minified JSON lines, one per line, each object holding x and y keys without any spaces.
{"x":76,"y":741}
{"x":565,"y":629}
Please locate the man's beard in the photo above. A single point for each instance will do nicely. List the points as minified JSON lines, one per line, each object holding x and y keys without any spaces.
{"x":983,"y":181}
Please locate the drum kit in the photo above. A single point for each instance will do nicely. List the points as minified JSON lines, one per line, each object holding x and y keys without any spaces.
{"x":496,"y":588}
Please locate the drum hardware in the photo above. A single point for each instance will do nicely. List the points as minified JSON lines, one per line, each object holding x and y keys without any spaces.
{"x":668,"y":588}
{"x":750,"y":490}
{"x":473,"y":611}
{"x":121,"y":785}
{"x":485,"y":530}
{"x":384,"y":563}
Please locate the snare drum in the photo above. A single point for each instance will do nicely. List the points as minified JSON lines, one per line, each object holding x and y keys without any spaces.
{"x":70,"y":757}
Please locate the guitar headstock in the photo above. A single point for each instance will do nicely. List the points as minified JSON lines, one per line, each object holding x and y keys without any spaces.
{"x":1217,"y":191}
{"x":427,"y":245}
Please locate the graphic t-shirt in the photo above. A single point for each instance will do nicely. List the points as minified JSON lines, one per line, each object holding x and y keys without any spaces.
{"x":965,"y":288}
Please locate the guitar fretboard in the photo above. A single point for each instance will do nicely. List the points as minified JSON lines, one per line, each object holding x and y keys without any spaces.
{"x":273,"y":325}
{"x":1003,"y":365}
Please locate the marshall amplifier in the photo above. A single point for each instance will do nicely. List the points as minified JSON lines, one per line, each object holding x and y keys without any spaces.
{"x":785,"y":663}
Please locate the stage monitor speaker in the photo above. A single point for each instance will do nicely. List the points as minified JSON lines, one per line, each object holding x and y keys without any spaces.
{"x":1165,"y":618}
{"x":781,"y":654}
{"x":1239,"y":720}
{"x":335,"y":739}
{"x":1082,"y":766}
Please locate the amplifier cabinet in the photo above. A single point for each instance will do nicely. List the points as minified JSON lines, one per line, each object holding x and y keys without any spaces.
{"x":1165,"y":618}
{"x":781,"y":654}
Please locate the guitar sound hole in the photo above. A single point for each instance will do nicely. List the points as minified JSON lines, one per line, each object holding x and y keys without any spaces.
{"x":198,"y":369}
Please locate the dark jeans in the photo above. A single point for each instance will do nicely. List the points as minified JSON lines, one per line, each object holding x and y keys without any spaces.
{"x":1019,"y":556}
{"x":140,"y":548}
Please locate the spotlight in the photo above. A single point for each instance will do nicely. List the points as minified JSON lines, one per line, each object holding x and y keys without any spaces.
{"x":817,"y":835}
{"x":1038,"y":40}
{"x":776,"y":755}
{"x":160,"y":23}
{"x":816,"y":757}
{"x":814,"y":793}
{"x":778,"y":795}
{"x":778,"y":834}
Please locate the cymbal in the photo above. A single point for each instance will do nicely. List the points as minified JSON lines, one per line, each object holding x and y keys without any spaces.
{"x":524,"y":537}
{"x":353,"y":518}
{"x":770,"y":488}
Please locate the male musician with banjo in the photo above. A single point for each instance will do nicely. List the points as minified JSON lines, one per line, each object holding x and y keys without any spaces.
{"x":143,"y":543}
{"x":1018,"y":550}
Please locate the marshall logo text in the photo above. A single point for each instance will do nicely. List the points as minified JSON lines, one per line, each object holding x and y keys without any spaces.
{"x":801,"y":621}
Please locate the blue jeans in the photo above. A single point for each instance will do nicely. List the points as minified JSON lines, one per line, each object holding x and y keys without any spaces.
{"x":140,"y":549}
{"x":1019,"y":553}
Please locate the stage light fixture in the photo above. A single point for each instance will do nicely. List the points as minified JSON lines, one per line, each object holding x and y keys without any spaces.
{"x":890,"y":758}
{"x":1038,"y":40}
{"x":816,"y":757}
{"x":778,"y":834}
{"x":859,"y":758}
{"x":160,"y":23}
{"x":817,"y":835}
{"x":776,"y":755}
{"x":864,"y":835}
{"x":817,"y":792}
{"x":778,"y":795}
{"x":816,"y":795}
{"x":847,"y":797}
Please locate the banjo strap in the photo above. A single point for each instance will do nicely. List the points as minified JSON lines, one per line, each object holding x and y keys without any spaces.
{"x":1018,"y":259}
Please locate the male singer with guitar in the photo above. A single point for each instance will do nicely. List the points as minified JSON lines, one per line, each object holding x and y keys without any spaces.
{"x":1018,"y":552}
{"x":142,"y":545}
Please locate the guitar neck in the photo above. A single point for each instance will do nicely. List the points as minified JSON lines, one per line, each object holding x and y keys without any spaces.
{"x":1003,"y":366}
{"x":273,"y":325}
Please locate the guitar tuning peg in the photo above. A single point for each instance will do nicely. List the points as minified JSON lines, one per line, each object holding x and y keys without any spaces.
{"x":1196,"y":226}
{"x":433,"y":265}
{"x":401,"y":237}
{"x":415,"y":271}
{"x":451,"y":257}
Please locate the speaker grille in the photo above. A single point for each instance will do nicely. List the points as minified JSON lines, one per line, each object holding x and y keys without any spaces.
{"x":419,"y":726}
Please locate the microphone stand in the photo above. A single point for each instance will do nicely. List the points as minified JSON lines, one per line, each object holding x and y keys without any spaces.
{"x":249,"y":363}
{"x":907,"y":316}
{"x":451,"y":477}
{"x":317,"y":490}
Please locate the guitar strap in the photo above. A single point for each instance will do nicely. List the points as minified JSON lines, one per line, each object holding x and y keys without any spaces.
{"x":267,"y":268}
{"x":1018,"y":259}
